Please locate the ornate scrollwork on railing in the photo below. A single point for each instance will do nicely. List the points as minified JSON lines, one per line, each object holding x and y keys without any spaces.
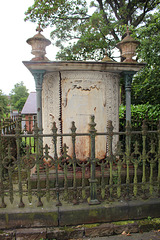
{"x":152,"y":158}
{"x":48,"y":162}
{"x":65,"y":161}
{"x":136,"y":159}
{"x":129,"y":169}
{"x":120,"y":161}
{"x":28,"y":162}
{"x":10,"y":163}
{"x":83,"y":165}
{"x":144,"y":157}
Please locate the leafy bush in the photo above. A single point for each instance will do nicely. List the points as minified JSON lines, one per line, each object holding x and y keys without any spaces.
{"x":150,"y":113}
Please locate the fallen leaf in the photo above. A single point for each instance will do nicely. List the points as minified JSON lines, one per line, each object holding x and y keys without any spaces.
{"x":124,"y":233}
{"x":78,"y":226}
{"x":128,"y":234}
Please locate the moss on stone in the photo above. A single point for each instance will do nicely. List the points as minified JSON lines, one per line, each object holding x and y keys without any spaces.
{"x":93,"y":213}
{"x":91,"y":225}
{"x":149,"y":224}
{"x":148,"y":221}
{"x":67,"y":229}
{"x":53,"y":215}
{"x":123,"y":222}
{"x":70,"y":229}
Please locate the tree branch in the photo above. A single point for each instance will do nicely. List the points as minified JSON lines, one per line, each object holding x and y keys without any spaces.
{"x":114,"y":7}
{"x":106,"y":19}
{"x":145,"y":10}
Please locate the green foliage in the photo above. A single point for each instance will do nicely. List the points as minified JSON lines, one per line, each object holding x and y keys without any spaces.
{"x":3,"y":104}
{"x":88,"y":27}
{"x":84,"y":29}
{"x":19,"y":95}
{"x":30,"y":141}
{"x":146,"y":84}
{"x":20,"y":103}
{"x":150,"y":113}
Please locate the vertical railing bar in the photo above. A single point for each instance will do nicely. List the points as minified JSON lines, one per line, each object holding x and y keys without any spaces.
{"x":119,"y":166}
{"x":83,"y":182}
{"x":18,"y":139}
{"x":47,"y":162}
{"x":2,"y":205}
{"x":10,"y":184}
{"x":93,"y":182}
{"x":29,"y":124}
{"x":152,"y":157}
{"x":151,"y":179}
{"x":128,"y":151}
{"x":25,"y":138}
{"x":30,"y":144}
{"x":34,"y":149}
{"x":54,"y":131}
{"x":135,"y":188}
{"x":29,"y":131}
{"x":30,"y":162}
{"x":73,"y":130}
{"x":135,"y":159}
{"x":9,"y":163}
{"x":47,"y":183}
{"x":110,"y":153}
{"x":36,"y":136}
{"x":158,"y":177}
{"x":120,"y":161}
{"x":144,"y":136}
{"x":65,"y":181}
{"x":102,"y":180}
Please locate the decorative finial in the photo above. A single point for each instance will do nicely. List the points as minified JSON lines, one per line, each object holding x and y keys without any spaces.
{"x":106,"y":58}
{"x":39,"y":44}
{"x":128,"y":47}
{"x":39,"y":29}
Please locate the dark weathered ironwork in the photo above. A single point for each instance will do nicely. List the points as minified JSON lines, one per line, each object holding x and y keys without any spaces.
{"x":54,"y":130}
{"x":130,"y":169}
{"x":93,"y":180}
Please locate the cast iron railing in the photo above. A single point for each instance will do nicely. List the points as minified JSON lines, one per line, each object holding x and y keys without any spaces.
{"x":129,"y":170}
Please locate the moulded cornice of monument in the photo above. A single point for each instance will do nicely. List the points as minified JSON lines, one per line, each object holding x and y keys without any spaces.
{"x":83,"y":65}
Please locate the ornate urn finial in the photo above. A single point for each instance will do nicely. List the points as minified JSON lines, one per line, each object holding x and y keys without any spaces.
{"x":39,"y":44}
{"x":128,"y":47}
{"x":106,"y":58}
{"x":127,"y":31}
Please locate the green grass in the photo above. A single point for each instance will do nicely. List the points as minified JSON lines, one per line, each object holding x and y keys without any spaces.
{"x":28,"y":141}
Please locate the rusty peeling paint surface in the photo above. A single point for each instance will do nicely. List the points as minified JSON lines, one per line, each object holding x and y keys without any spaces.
{"x":81,"y":94}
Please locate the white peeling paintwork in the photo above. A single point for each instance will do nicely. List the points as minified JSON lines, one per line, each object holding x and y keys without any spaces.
{"x":83,"y":93}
